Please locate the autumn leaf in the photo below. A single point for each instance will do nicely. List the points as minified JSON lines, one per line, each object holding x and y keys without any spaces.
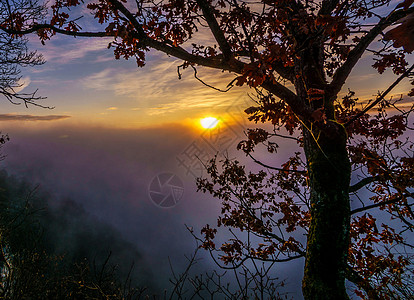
{"x":403,"y":34}
{"x":406,"y":4}
{"x":319,"y":115}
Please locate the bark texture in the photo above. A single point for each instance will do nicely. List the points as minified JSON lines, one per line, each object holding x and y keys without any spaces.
{"x":328,"y":239}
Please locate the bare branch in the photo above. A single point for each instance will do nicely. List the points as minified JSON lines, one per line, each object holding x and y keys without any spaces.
{"x":368,"y":207}
{"x":229,"y":86}
{"x":362,"y":183}
{"x":37,"y":27}
{"x":381,"y":97}
{"x":274,"y":168}
{"x":276,"y":260}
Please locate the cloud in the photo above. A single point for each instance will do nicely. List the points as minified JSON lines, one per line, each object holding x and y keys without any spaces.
{"x":16,"y":117}
{"x":22,"y":84}
{"x":156,"y":89}
{"x":112,"y":108}
{"x":74,"y":49}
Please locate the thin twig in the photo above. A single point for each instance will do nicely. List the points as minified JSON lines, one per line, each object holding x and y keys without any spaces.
{"x":381,"y":97}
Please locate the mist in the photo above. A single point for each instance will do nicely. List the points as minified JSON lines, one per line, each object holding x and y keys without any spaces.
{"x":103,"y":176}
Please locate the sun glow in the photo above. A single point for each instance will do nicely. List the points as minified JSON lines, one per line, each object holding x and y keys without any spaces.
{"x":209,"y":122}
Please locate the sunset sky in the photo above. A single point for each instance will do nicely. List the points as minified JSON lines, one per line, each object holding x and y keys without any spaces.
{"x":82,"y":80}
{"x":84,"y":83}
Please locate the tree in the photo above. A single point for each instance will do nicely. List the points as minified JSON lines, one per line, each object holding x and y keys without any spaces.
{"x":297,"y":55}
{"x":32,"y":267}
{"x":14,"y":53}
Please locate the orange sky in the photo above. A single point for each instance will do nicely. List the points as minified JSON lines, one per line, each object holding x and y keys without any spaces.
{"x":82,"y":80}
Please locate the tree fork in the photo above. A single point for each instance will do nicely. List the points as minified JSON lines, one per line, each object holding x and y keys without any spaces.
{"x":328,"y":238}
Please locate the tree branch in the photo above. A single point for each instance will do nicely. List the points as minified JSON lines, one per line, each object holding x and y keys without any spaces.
{"x":274,"y":168}
{"x":215,"y":28}
{"x":381,"y":97}
{"x":357,"y":210}
{"x":285,"y":72}
{"x":229,"y":86}
{"x":276,"y":260}
{"x":296,"y":103}
{"x":37,"y":27}
{"x":233,"y":65}
{"x":327,"y":7}
{"x":355,"y":54}
{"x":360,"y":282}
{"x":362,"y":183}
{"x":178,"y":52}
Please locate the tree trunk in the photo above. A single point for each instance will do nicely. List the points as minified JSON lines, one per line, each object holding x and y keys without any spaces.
{"x":328,"y":238}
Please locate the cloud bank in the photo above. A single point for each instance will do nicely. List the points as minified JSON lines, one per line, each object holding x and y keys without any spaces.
{"x":108,"y":173}
{"x":18,"y":117}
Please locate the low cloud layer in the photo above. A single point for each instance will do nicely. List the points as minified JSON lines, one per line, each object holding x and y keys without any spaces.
{"x":108,"y":173}
{"x":18,"y":117}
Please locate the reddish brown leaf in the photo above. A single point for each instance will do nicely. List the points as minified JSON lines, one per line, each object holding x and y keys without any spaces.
{"x":403,"y":34}
{"x":319,"y":115}
{"x":405,"y":4}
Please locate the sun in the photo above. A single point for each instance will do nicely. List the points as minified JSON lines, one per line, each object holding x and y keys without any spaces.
{"x":209,"y":122}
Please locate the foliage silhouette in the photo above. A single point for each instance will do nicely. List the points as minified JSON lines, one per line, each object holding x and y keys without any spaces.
{"x":15,"y":55}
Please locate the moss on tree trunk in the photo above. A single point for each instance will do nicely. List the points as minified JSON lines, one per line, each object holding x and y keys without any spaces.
{"x":328,"y":239}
